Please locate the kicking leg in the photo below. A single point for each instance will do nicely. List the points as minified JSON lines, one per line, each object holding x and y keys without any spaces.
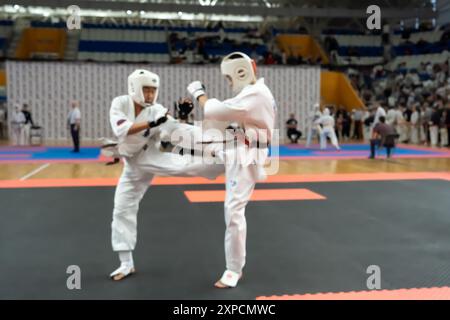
{"x":171,"y":164}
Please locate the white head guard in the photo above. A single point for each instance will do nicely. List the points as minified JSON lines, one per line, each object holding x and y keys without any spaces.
{"x":240,"y":68}
{"x":139,"y":79}
{"x":326,"y":112}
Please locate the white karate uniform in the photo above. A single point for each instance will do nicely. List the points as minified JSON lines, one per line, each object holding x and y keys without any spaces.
{"x":401,"y":126}
{"x":253,"y":108}
{"x":415,"y":130}
{"x":143,"y":159}
{"x":366,"y":129}
{"x":380,"y":113}
{"x":17,"y":128}
{"x":391,"y":117}
{"x":434,"y":135}
{"x":327,"y":123}
{"x":313,"y":128}
{"x":444,"y":136}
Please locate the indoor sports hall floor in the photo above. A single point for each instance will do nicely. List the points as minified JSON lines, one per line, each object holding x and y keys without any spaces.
{"x":313,"y":229}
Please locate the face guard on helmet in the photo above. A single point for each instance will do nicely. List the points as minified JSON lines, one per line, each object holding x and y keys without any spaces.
{"x":240,"y":68}
{"x":137,"y":81}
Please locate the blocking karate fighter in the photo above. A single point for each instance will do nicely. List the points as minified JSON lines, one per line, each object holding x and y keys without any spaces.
{"x":327,"y":123}
{"x":314,"y":128}
{"x":139,"y":123}
{"x":253,"y":108}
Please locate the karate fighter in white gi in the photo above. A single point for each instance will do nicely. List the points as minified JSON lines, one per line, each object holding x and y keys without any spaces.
{"x":327,"y":123}
{"x":313,"y":128}
{"x":139,"y":124}
{"x":253,"y":109}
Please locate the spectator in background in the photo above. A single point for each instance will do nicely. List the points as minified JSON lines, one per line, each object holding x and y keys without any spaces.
{"x":343,"y":123}
{"x":447,"y":123}
{"x":403,"y":124}
{"x":443,"y":133}
{"x":293,"y":59}
{"x":331,"y":44}
{"x":427,"y":111}
{"x":434,"y":124}
{"x":379,"y":112}
{"x":74,"y":124}
{"x":3,"y":119}
{"x":339,"y":120}
{"x":283,"y":57}
{"x":28,"y":123}
{"x":415,"y":123}
{"x":400,"y":124}
{"x":368,"y":117}
{"x":357,"y":116}
{"x":269,"y":60}
{"x":292,"y":132}
{"x":346,"y":124}
{"x":391,"y":116}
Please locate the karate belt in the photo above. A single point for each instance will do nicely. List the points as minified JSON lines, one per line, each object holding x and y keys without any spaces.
{"x":253,"y":144}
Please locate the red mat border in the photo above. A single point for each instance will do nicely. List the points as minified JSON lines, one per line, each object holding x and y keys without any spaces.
{"x":307,"y":178}
{"x":434,"y":293}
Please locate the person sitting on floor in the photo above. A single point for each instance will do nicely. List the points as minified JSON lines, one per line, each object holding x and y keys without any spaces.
{"x":292,"y":132}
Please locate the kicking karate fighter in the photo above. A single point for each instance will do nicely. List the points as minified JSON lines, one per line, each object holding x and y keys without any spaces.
{"x":253,"y":108}
{"x":139,"y":123}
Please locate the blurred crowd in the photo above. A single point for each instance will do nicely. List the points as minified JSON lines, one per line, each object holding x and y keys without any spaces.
{"x":416,"y":101}
{"x":260,"y":45}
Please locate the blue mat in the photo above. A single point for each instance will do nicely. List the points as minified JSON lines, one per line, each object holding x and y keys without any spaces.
{"x":356,"y":151}
{"x":48,"y":153}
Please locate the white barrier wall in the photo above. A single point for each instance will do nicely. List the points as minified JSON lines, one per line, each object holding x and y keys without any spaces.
{"x":48,"y":88}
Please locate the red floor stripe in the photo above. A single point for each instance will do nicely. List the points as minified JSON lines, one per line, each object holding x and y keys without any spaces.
{"x":92,"y":182}
{"x":335,"y":177}
{"x":258,"y":195}
{"x":442,"y":293}
{"x":57,"y":183}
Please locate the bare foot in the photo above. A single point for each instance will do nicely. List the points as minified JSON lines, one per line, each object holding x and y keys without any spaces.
{"x":220,"y":285}
{"x":121,"y":276}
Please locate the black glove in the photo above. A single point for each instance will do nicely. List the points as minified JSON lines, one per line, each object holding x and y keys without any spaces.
{"x":153,"y":124}
{"x":184,"y":109}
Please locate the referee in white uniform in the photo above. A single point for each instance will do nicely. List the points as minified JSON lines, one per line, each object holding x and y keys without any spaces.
{"x":73,"y":120}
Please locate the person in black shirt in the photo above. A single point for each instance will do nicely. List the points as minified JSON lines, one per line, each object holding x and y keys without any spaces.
{"x":26,"y":112}
{"x":28,"y":123}
{"x":292,"y":132}
{"x":434,"y":123}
